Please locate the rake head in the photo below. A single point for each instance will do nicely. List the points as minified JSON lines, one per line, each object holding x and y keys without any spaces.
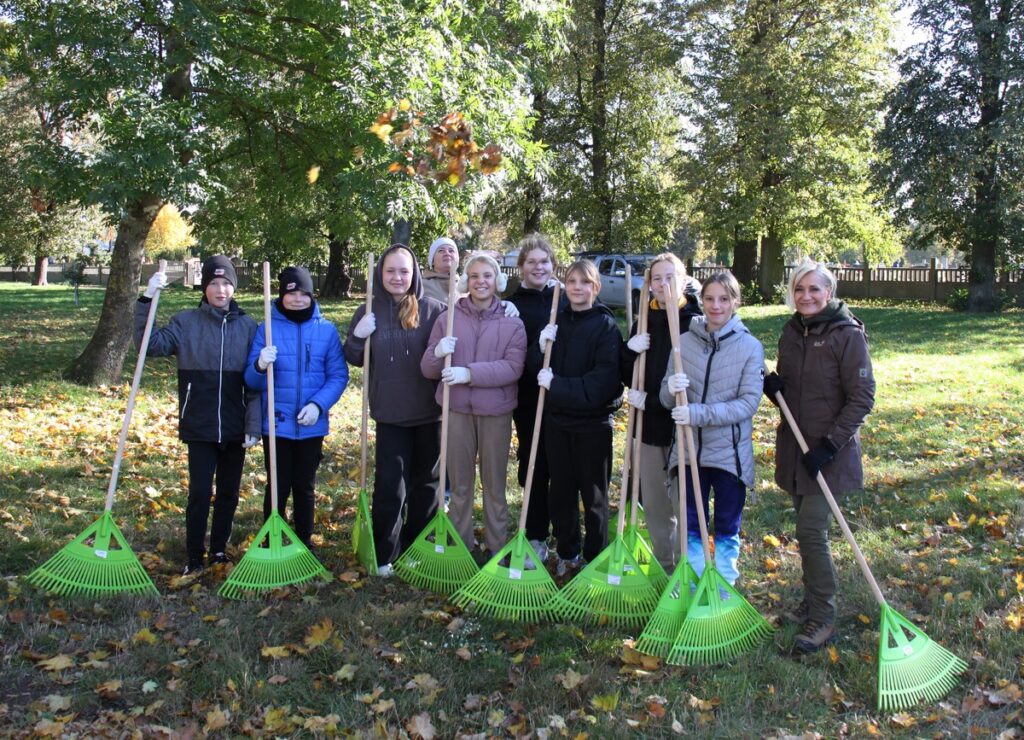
{"x":437,"y":560}
{"x":362,"y":535}
{"x":660,"y":633}
{"x":504,"y":589}
{"x":276,"y":558}
{"x":98,"y":562}
{"x":639,"y":545}
{"x":911,"y":666}
{"x":719,"y":625}
{"x":611,"y":588}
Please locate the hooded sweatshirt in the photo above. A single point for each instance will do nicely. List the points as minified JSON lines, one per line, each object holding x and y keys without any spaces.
{"x":399,"y":394}
{"x":726,"y":372}
{"x":534,"y":311}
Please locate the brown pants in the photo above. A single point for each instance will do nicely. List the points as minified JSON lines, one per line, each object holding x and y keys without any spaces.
{"x":489,"y":436}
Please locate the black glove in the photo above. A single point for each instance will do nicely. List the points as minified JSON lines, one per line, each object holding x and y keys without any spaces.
{"x":818,"y":457}
{"x":773,"y":384}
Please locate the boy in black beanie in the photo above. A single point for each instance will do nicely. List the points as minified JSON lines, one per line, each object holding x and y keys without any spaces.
{"x":217,"y":417}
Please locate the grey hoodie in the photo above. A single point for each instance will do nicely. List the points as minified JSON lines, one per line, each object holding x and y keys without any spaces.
{"x":399,"y":394}
{"x":726,"y":372}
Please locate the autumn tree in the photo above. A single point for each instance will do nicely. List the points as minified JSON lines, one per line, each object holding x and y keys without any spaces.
{"x":170,"y":236}
{"x":954,"y":135}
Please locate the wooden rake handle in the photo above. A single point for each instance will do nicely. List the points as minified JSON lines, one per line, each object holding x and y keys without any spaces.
{"x":832,"y":504}
{"x":633,"y":421}
{"x":691,"y":448}
{"x":365,"y":423}
{"x":538,"y":416}
{"x":640,"y":384}
{"x":140,"y":362}
{"x":271,"y":420}
{"x":446,"y":391}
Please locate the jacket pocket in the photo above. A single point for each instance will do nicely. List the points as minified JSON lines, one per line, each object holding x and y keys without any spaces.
{"x":184,"y":405}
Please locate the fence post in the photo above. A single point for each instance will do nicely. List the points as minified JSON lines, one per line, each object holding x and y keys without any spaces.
{"x":933,"y":278}
{"x":867,"y":279}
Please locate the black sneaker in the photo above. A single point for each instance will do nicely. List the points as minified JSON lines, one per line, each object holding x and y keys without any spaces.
{"x":814,"y":636}
{"x":193,"y":568}
{"x":219,"y":558}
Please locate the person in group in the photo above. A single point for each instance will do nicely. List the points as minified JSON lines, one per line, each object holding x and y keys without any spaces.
{"x":401,"y":402}
{"x":488,"y":351}
{"x":658,"y":490}
{"x":723,"y":376}
{"x":537,"y":263}
{"x":583,"y":391}
{"x":310,"y":375}
{"x":824,"y":373}
{"x":442,"y":258}
{"x":218,"y":419}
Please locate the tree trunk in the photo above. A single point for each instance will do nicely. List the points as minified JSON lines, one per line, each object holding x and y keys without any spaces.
{"x":534,"y":190}
{"x":773,"y":267}
{"x":101,"y":361}
{"x":744,"y":260}
{"x":401,"y":232}
{"x":598,"y":133}
{"x":337,"y":281}
{"x":42,"y":262}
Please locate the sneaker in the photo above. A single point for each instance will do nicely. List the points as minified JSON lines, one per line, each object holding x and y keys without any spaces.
{"x":814,"y":636}
{"x":219,"y":558}
{"x":565,"y":565}
{"x":193,"y":568}
{"x":385,"y":571}
{"x":541,"y":548}
{"x":799,"y":615}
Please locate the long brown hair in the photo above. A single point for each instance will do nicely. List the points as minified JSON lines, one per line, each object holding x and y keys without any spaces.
{"x":409,"y":305}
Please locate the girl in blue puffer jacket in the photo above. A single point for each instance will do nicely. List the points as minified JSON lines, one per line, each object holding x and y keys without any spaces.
{"x":309,"y":377}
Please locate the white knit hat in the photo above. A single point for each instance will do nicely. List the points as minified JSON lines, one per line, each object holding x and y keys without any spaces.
{"x":438,"y":243}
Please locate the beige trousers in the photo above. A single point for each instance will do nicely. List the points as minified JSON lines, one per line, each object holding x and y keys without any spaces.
{"x":660,"y":497}
{"x":488,"y":436}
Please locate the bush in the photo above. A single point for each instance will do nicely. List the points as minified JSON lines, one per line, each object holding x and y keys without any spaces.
{"x":957,"y":300}
{"x":751,"y":295}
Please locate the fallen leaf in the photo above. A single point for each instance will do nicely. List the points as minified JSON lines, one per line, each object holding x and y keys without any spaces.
{"x":58,"y":703}
{"x":605,"y":703}
{"x":275,"y":651}
{"x":216,"y":719}
{"x":464,"y":654}
{"x":149,"y":687}
{"x":56,"y":663}
{"x":319,"y":633}
{"x":420,"y":726}
{"x":346,"y":673}
{"x":771,"y":540}
{"x":144,"y":637}
{"x":277,"y":679}
{"x":571,"y":679}
{"x":109,"y":689}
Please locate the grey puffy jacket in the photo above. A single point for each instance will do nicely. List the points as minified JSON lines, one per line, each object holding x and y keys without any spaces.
{"x":726,"y":372}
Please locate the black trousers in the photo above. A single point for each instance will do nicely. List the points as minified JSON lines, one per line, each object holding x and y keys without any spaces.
{"x":581,"y":466}
{"x":538,"y":521}
{"x":297,"y":463}
{"x":405,"y":486}
{"x":207,"y":460}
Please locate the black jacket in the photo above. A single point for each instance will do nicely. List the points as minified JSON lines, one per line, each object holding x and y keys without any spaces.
{"x":212,"y":347}
{"x":534,"y":311}
{"x":586,"y":389}
{"x":658,"y":427}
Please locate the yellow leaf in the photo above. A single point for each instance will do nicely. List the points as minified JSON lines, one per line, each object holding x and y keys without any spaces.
{"x":771,"y":540}
{"x":833,"y":654}
{"x":902,"y":720}
{"x":420,"y":726}
{"x":144,"y":637}
{"x":109,"y":689}
{"x":384,"y":705}
{"x":319,"y":633}
{"x":571,"y":679}
{"x":453,"y":179}
{"x":216,"y":719}
{"x":56,"y":663}
{"x":275,"y":651}
{"x":313,"y":174}
{"x":864,"y":618}
{"x":404,"y":104}
{"x":606,"y":703}
{"x":346,"y":673}
{"x":48,"y":728}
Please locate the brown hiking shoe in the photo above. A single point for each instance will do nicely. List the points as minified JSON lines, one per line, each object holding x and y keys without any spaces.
{"x":799,"y":615}
{"x":814,"y":636}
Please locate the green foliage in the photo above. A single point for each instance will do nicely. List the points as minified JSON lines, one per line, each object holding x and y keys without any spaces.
{"x":750,"y":295}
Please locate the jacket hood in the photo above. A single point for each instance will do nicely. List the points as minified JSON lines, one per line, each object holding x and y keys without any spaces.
{"x":699,"y":328}
{"x":466,"y":306}
{"x":275,"y":311}
{"x":836,"y":313}
{"x":233,"y":311}
{"x":416,"y":286}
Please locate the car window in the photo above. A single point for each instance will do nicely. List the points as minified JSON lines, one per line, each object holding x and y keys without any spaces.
{"x":606,"y":267}
{"x":638,"y":266}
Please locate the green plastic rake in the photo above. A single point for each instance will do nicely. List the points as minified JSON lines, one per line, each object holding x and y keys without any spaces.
{"x":362,"y":533}
{"x":276,"y":557}
{"x":613,"y":587}
{"x":720,"y":624}
{"x":438,"y":559}
{"x":514,"y":584}
{"x":911,"y":666}
{"x":99,"y":561}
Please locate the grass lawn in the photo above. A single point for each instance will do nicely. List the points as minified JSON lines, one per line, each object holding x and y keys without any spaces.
{"x":940,"y":522}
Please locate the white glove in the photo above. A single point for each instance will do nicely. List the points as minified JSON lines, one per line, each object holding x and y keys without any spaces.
{"x":544,"y":378}
{"x":308,"y":415}
{"x":456,"y":375}
{"x":552,"y":282}
{"x":366,"y":326}
{"x":250,"y":441}
{"x":156,"y":283}
{"x":445,"y":346}
{"x":510,"y":309}
{"x":639,"y":342}
{"x":637,"y":399}
{"x":681,"y":415}
{"x":267,"y":356}
{"x":678,"y":383}
{"x":547,"y":334}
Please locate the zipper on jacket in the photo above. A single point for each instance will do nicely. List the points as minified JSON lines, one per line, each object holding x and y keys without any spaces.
{"x":220,"y":378}
{"x":309,"y":353}
{"x":704,"y":395}
{"x":298,"y":386}
{"x":736,"y":450}
{"x":188,"y":393}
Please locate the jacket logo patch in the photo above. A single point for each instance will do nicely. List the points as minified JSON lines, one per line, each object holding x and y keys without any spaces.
{"x":218,"y":271}
{"x":290,"y":286}
{"x":863,"y":372}
{"x":819,"y":343}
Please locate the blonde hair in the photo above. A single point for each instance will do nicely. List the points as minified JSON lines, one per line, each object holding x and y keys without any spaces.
{"x":589,"y":272}
{"x":804,"y":269}
{"x":530,"y":242}
{"x":680,"y":274}
{"x":728,"y":281}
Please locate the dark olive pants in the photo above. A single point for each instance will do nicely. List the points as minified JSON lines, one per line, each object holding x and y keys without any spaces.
{"x":813,"y":518}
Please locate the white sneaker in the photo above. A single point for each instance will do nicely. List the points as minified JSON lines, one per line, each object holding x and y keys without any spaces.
{"x":541,"y":548}
{"x":564,"y":566}
{"x":385,"y":571}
